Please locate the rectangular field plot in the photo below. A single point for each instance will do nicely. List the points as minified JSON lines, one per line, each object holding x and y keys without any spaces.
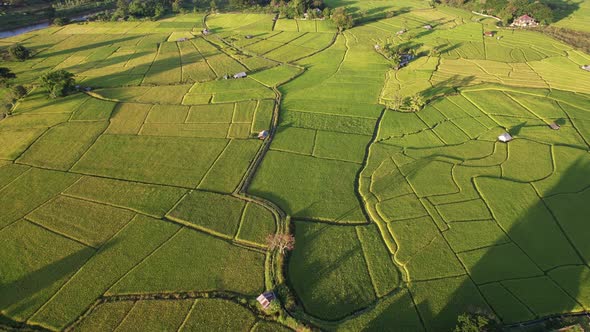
{"x":144,"y":198}
{"x":128,"y":118}
{"x":106,"y":316}
{"x":280,"y":178}
{"x":230,"y":90}
{"x":60,"y":147}
{"x":29,"y":191}
{"x":176,"y":161}
{"x":334,"y":251}
{"x":229,"y":169}
{"x":158,"y":315}
{"x":215,"y":212}
{"x":14,"y":142}
{"x":213,"y":313}
{"x":257,"y":224}
{"x":340,"y":146}
{"x":197,"y":261}
{"x":87,"y":222}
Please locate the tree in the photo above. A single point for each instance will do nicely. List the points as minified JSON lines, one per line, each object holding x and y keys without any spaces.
{"x":58,"y":83}
{"x":61,"y":21}
{"x":475,"y":322}
{"x":18,"y":92}
{"x":342,"y":19}
{"x":416,"y":102}
{"x":213,"y":6}
{"x":177,"y":6}
{"x":19,"y":52}
{"x":396,"y":102}
{"x":5,"y":76}
{"x":280,"y":242}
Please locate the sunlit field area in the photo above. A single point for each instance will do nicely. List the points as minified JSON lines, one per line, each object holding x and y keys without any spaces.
{"x":144,"y":201}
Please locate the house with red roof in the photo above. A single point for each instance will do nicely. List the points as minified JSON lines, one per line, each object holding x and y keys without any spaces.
{"x":524,"y":21}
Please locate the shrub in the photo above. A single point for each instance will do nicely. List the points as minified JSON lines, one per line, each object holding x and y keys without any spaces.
{"x":58,"y":83}
{"x":19,"y":52}
{"x":61,"y":21}
{"x":18,"y":91}
{"x":5,"y":76}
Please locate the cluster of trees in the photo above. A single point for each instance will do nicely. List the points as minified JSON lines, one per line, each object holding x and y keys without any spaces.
{"x":398,"y":54}
{"x":297,"y":8}
{"x":413,"y":103}
{"x":154,"y":9}
{"x":507,"y":10}
{"x":16,"y":92}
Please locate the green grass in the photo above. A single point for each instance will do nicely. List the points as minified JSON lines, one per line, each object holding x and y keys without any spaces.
{"x":218,"y":315}
{"x":144,"y":198}
{"x":29,"y":191}
{"x":464,"y":236}
{"x":107,"y":316}
{"x":508,"y":307}
{"x":60,"y":147}
{"x":383,"y":272}
{"x":340,"y":146}
{"x":94,"y":110}
{"x":214,"y":212}
{"x":195,"y":261}
{"x":137,"y":240}
{"x":491,"y":264}
{"x":227,"y":172}
{"x":124,"y":157}
{"x":89,"y":223}
{"x":521,"y":214}
{"x":279,"y":179}
{"x":128,"y":118}
{"x":156,"y":315}
{"x":293,"y":139}
{"x":257,"y":224}
{"x":542,"y":295}
{"x":573,"y":280}
{"x":454,"y":296}
{"x":326,"y":263}
{"x":15,"y":142}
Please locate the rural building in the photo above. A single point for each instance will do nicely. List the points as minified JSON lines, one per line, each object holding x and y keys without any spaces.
{"x":249,"y":36}
{"x":554,"y":126}
{"x":263,"y":134}
{"x":405,"y":60}
{"x":240,"y":75}
{"x":489,"y":34}
{"x":265,"y":299}
{"x":524,"y":21}
{"x":205,"y":32}
{"x":182,"y":39}
{"x":401,"y":32}
{"x":505,"y":137}
{"x":586,"y":67}
{"x":377,"y":47}
{"x":428,"y":27}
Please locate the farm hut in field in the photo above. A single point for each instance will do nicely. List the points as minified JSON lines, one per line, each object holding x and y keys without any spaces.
{"x":240,"y":75}
{"x":554,"y":126}
{"x":586,"y":67}
{"x":182,"y":39}
{"x":428,"y":27}
{"x":505,"y":137}
{"x":401,"y":32}
{"x":205,"y":32}
{"x":265,"y":299}
{"x":249,"y":36}
{"x":489,"y":34}
{"x":263,"y":135}
{"x":524,"y":21}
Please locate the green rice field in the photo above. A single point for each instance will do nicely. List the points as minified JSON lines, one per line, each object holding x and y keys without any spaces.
{"x":145,"y":202}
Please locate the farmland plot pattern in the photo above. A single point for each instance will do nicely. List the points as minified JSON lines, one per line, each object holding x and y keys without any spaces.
{"x":145,"y":203}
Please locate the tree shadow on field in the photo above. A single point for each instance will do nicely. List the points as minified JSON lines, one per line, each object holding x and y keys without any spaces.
{"x":85,"y":47}
{"x":22,"y":294}
{"x":549,"y":238}
{"x":448,"y":86}
{"x":562,"y":9}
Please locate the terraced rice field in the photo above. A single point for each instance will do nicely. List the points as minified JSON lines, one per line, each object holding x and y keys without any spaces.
{"x":145,"y":203}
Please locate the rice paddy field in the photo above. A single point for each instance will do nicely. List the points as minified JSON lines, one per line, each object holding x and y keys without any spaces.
{"x":144,"y":204}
